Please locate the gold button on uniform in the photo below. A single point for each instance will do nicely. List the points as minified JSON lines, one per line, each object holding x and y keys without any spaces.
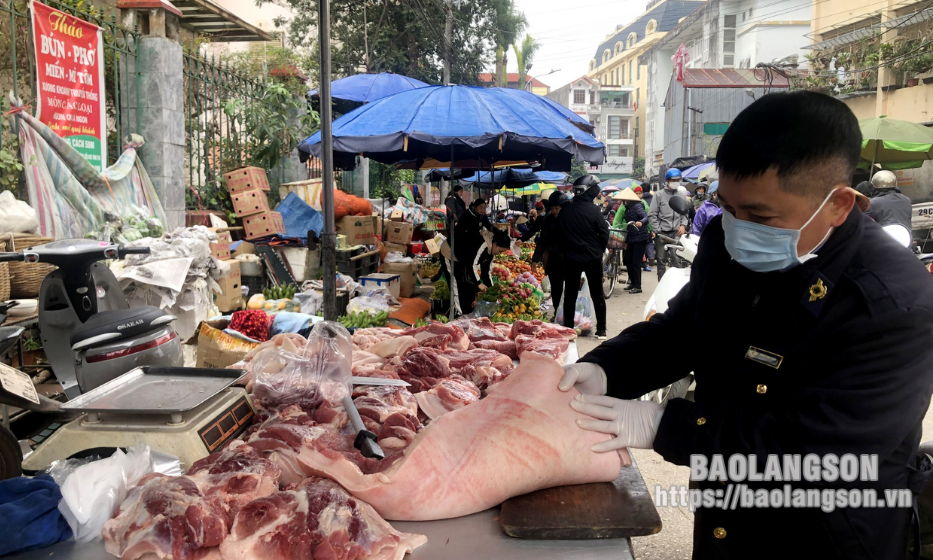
{"x":701,"y":421}
{"x":762,"y":389}
{"x":719,"y":533}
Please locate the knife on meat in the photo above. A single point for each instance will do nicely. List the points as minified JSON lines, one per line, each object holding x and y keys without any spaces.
{"x":365,"y":440}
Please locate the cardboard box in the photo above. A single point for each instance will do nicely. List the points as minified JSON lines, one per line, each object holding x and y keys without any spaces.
{"x":380,"y":231}
{"x":434,"y":245}
{"x":261,"y":225}
{"x":391,"y":282}
{"x":244,"y":248}
{"x":246,"y":178}
{"x":231,"y":296}
{"x":397,"y":215}
{"x":304,"y":263}
{"x":309,"y":191}
{"x":399,"y":232}
{"x":360,"y":230}
{"x":407,"y":273}
{"x":247,"y":203}
{"x":221,"y":248}
{"x":390,"y":247}
{"x":217,"y":349}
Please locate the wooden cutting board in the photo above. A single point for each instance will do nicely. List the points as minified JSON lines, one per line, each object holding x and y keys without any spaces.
{"x":606,"y":510}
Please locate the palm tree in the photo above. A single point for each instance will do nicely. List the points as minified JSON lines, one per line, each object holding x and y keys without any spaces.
{"x":509,"y":23}
{"x":524,"y":56}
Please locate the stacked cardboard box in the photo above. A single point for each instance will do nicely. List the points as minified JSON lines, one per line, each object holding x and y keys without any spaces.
{"x":248,"y":187}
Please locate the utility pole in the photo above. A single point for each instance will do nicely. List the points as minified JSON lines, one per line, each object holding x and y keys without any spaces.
{"x":328,"y":235}
{"x":448,"y":40}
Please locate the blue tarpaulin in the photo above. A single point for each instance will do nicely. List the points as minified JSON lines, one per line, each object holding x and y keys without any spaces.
{"x":366,"y":88}
{"x":512,"y":176}
{"x":478,"y":122}
{"x":299,"y":218}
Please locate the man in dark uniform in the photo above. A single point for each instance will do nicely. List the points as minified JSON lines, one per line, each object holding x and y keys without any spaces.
{"x":888,"y":205}
{"x":455,"y":205}
{"x":822,"y":344}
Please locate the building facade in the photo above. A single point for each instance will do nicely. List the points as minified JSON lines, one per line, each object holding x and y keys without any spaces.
{"x":616,"y":64}
{"x":721,"y":34}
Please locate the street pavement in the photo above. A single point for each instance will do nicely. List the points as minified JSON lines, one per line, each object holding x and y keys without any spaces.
{"x":675,"y":541}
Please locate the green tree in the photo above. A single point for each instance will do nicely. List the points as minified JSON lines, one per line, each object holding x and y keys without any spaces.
{"x":401,"y":36}
{"x":525,"y":56}
{"x":577,"y":170}
{"x":638,"y":169}
{"x":509,"y":23}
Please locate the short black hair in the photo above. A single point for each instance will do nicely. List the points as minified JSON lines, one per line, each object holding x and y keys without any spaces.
{"x":812,"y":141}
{"x":457,"y":188}
{"x":501,"y":239}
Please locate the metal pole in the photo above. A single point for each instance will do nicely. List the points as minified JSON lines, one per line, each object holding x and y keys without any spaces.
{"x":453,"y":265}
{"x":365,"y":171}
{"x":329,"y":235}
{"x":448,"y":32}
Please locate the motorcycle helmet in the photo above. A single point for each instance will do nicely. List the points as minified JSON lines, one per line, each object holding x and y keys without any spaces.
{"x":584,"y":183}
{"x":673,"y":175}
{"x":884,"y":180}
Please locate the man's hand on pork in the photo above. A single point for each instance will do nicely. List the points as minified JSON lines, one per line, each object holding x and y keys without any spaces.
{"x":588,"y":378}
{"x":633,"y":423}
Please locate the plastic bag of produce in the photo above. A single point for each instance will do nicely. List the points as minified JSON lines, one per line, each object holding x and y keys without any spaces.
{"x":374,"y":301}
{"x":485,"y":308}
{"x":584,"y":314}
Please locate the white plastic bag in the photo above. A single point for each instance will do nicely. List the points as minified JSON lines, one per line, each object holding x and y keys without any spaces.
{"x":374,"y":301}
{"x":16,"y":216}
{"x":395,"y":256}
{"x":91,"y":491}
{"x":584,"y":315}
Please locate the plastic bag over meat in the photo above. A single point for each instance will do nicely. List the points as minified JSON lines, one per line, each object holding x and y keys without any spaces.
{"x":330,"y":349}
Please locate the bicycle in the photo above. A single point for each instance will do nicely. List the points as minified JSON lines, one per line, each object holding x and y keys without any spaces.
{"x":612,"y":261}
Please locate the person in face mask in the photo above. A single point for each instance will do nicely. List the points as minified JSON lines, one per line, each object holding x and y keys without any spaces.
{"x":822,"y":347}
{"x":664,"y":220}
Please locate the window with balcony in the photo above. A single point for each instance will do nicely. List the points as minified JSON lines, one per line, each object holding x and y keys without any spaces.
{"x":579,"y":96}
{"x":615,"y":150}
{"x":728,"y":41}
{"x":618,"y":128}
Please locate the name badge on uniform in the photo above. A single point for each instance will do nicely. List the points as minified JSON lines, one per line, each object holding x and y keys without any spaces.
{"x":764,"y":357}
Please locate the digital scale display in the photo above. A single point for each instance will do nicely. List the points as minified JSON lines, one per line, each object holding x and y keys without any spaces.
{"x":228,"y":425}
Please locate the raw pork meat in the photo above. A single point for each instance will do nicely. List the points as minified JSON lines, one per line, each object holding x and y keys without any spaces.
{"x":166,"y":517}
{"x":389,"y":412}
{"x":478,"y":357}
{"x":364,"y":338}
{"x":316,"y":519}
{"x":422,"y":367}
{"x":449,"y":394}
{"x":479,"y":329}
{"x":540,"y":329}
{"x":393,"y":347}
{"x":482,"y":376}
{"x":506,"y":347}
{"x":458,"y":339}
{"x":554,"y":347}
{"x":520,"y":438}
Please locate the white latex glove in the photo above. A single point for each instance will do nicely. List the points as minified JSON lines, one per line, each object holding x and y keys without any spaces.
{"x":586,"y":377}
{"x":634,"y":423}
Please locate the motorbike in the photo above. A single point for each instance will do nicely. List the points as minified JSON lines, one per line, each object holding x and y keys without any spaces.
{"x":89,"y":332}
{"x":681,"y":253}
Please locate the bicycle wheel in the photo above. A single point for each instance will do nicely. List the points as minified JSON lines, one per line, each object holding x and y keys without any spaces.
{"x":610,"y":272}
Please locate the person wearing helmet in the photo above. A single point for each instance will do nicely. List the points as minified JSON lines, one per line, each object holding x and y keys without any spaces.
{"x":664,"y":220}
{"x":823,"y":340}
{"x":888,"y":205}
{"x":707,"y":211}
{"x":584,"y":236}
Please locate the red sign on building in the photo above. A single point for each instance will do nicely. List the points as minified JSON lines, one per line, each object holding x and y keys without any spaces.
{"x":70,"y":80}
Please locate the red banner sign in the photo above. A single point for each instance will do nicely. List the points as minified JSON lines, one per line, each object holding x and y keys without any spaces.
{"x":70,"y":80}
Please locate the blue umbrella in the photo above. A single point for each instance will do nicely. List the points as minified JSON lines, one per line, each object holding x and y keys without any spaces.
{"x":366,"y":88}
{"x":618,"y":184}
{"x":434,"y":121}
{"x":574,"y":118}
{"x":694,"y":172}
{"x":512,"y":176}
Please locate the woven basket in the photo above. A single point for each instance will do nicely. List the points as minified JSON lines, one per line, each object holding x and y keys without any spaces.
{"x":25,"y":278}
{"x":4,"y":275}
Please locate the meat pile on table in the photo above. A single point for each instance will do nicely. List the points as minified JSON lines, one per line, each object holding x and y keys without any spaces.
{"x":471,"y":431}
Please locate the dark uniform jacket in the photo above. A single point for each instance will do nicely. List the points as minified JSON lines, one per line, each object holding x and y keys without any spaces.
{"x":584,"y":231}
{"x":635,"y":212}
{"x":832,"y":356}
{"x":468,"y":235}
{"x":889,"y":206}
{"x":455,"y":208}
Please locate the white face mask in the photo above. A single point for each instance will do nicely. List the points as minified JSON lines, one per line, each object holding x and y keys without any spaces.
{"x":672,"y":185}
{"x":766,"y":249}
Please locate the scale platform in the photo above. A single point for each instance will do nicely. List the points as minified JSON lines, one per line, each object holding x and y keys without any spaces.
{"x":186,"y":412}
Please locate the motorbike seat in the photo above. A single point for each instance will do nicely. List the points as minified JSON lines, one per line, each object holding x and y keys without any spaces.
{"x":117,"y":324}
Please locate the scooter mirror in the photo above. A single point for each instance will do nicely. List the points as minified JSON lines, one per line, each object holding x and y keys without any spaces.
{"x":680,"y":205}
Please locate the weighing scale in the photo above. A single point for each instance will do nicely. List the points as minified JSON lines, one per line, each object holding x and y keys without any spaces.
{"x":186,"y":412}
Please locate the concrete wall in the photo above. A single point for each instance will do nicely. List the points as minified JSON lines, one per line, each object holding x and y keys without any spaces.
{"x":913,"y":104}
{"x":829,"y":13}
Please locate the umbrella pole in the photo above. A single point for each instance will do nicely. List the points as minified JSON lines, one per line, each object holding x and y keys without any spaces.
{"x":452,"y":229}
{"x":329,"y":236}
{"x":871,"y":170}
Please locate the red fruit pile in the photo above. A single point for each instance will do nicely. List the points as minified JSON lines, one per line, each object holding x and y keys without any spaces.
{"x":253,"y":323}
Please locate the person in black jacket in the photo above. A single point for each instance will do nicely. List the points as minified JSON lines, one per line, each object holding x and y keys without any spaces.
{"x":823,"y":343}
{"x":584,"y":236}
{"x":888,"y":205}
{"x":455,"y":205}
{"x":468,"y":240}
{"x":476,"y":278}
{"x":636,"y":240}
{"x":548,"y":247}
